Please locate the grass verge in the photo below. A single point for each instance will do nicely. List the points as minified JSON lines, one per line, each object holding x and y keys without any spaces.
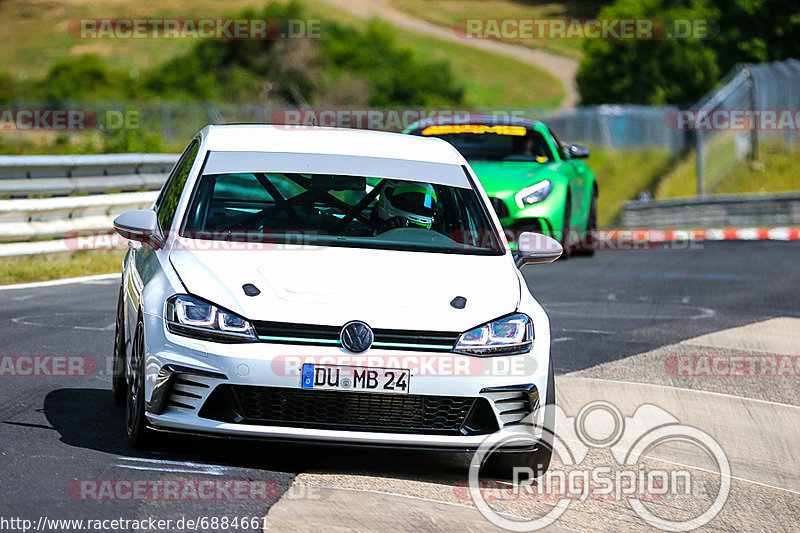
{"x":622,"y":174}
{"x":42,"y":268}
{"x":491,"y":81}
{"x":775,"y":170}
{"x":39,"y":33}
{"x":446,"y":13}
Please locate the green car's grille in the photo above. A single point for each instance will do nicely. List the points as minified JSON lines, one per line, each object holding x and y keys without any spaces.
{"x":500,"y":207}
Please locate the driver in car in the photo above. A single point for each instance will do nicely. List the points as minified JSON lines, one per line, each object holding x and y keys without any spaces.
{"x":405,"y":204}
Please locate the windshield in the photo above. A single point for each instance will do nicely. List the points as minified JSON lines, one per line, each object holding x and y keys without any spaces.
{"x":493,"y":143}
{"x":340,"y":210}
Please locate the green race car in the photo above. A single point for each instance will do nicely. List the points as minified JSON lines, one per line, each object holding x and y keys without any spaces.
{"x":534,"y":182}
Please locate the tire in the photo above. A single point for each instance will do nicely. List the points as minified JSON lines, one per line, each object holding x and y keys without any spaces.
{"x":118,"y":388}
{"x":589,"y":238}
{"x":139,"y":435}
{"x":501,"y":465}
{"x":563,"y":241}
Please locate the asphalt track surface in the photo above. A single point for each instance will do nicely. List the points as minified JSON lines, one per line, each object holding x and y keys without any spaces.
{"x":55,"y":430}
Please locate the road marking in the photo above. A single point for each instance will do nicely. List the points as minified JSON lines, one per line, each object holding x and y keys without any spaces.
{"x":56,"y":282}
{"x":721,"y":394}
{"x":660,"y":311}
{"x":166,"y":461}
{"x":737,"y":478}
{"x":597,"y":331}
{"x":24,"y":320}
{"x":158,"y":465}
{"x":172,"y":470}
{"x":685,"y":275}
{"x":693,"y":467}
{"x":418,"y":498}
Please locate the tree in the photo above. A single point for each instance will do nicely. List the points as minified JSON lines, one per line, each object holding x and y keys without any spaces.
{"x":649,"y":72}
{"x":756,"y":31}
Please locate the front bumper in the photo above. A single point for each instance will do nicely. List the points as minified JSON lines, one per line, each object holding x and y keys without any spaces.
{"x":181,"y":374}
{"x":546,"y":218}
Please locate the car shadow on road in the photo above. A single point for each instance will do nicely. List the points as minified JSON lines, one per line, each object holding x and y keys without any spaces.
{"x":89,"y":418}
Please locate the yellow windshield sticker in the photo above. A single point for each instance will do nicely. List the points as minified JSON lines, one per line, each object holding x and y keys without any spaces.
{"x":478,"y":129}
{"x":541,"y":159}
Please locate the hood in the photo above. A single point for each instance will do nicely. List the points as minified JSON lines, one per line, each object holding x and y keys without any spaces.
{"x":502,"y":179}
{"x":334,"y":285}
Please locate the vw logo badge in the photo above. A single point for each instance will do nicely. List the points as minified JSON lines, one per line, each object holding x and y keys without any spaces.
{"x":356,"y":337}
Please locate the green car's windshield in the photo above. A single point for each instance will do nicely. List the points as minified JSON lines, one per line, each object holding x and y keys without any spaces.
{"x":339,"y":210}
{"x":493,"y":143}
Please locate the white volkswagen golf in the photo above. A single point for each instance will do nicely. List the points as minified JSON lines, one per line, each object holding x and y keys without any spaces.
{"x":330,"y":285}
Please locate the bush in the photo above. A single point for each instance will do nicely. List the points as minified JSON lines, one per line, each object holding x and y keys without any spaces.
{"x":305,"y":71}
{"x":8,"y":89}
{"x":649,"y":72}
{"x":395,"y":74}
{"x":756,"y":31}
{"x":81,"y":77}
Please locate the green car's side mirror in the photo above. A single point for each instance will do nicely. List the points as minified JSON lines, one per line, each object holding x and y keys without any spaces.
{"x":577,"y":151}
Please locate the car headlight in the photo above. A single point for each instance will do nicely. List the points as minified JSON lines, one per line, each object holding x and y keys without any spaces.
{"x":192,"y":317}
{"x":509,"y":335}
{"x":533,"y":194}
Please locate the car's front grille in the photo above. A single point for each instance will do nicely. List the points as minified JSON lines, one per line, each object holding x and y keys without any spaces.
{"x":528,"y":224}
{"x":350,"y":411}
{"x":500,"y":207}
{"x":290,"y":333}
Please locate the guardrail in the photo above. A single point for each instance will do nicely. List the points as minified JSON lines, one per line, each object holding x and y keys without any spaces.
{"x":71,"y":183}
{"x":46,"y":218}
{"x":71,"y":174}
{"x":739,"y":210}
{"x":71,"y":193}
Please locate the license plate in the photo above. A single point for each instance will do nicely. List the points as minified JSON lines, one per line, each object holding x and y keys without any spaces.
{"x":353,"y":378}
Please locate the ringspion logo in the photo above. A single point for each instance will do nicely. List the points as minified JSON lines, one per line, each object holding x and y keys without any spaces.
{"x":629,"y":440}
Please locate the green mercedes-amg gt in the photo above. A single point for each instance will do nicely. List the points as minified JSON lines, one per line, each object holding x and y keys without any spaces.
{"x":535,"y":183}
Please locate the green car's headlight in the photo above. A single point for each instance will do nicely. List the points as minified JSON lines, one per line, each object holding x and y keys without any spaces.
{"x":533,"y":194}
{"x":192,"y":317}
{"x":509,"y":335}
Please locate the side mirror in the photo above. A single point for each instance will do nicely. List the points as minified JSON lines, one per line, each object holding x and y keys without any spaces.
{"x":577,"y":151}
{"x":140,"y":225}
{"x":536,"y":249}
